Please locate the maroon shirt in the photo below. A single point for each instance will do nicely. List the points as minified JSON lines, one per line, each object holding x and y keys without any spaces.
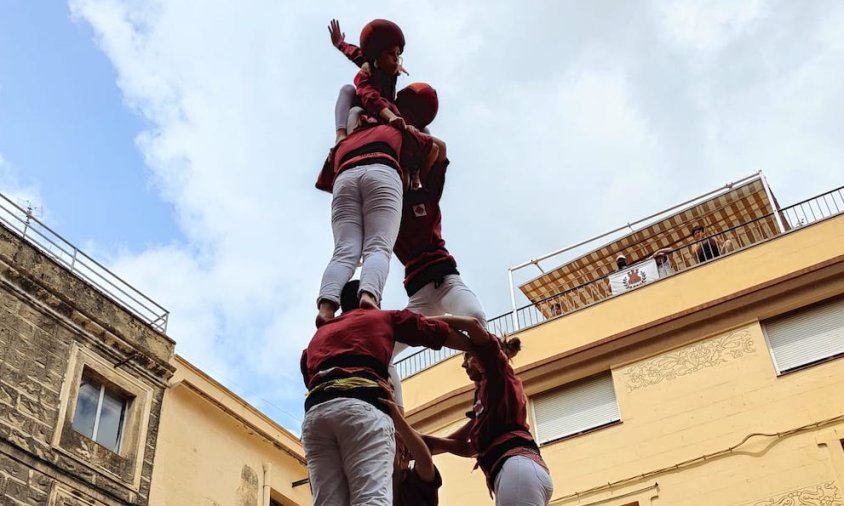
{"x":403,"y":150}
{"x":501,"y":402}
{"x":368,"y":333}
{"x":352,"y":52}
{"x":414,"y":491}
{"x":420,"y":246}
{"x":375,"y":90}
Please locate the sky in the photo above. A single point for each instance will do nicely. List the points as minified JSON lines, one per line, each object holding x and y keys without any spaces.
{"x":177,"y":141}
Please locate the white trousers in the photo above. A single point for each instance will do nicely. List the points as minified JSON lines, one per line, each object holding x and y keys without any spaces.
{"x":365,"y":219}
{"x":522,"y":482}
{"x":349,"y":448}
{"x":452,"y":297}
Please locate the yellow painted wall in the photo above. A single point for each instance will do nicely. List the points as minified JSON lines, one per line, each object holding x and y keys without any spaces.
{"x":739,"y":271}
{"x":208,"y":457}
{"x":683,"y":403}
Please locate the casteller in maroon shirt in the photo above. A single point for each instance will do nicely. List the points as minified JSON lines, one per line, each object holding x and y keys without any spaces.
{"x":420,"y":246}
{"x":404,"y":150}
{"x":362,"y":341}
{"x":500,"y":427}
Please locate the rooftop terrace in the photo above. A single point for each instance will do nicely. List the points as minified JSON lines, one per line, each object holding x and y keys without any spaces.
{"x":738,"y":216}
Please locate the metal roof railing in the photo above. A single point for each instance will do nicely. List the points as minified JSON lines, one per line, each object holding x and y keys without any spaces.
{"x":23,"y":223}
{"x":742,"y":236}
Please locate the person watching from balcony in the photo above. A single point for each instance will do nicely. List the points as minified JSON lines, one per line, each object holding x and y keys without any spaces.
{"x":621,"y":262}
{"x":431,"y":279}
{"x":498,"y":435}
{"x":663,"y":262}
{"x":708,"y":248}
{"x":556,"y":309}
{"x":347,"y":432}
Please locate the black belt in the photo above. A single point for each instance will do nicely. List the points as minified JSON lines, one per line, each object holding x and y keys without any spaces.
{"x":346,"y":361}
{"x":366,"y":394}
{"x":434,"y":273}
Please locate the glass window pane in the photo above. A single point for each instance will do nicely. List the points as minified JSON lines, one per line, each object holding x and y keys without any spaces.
{"x":86,"y":409}
{"x":111,"y":421}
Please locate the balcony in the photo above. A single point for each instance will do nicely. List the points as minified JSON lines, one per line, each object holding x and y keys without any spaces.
{"x":743,"y":222}
{"x":21,"y":222}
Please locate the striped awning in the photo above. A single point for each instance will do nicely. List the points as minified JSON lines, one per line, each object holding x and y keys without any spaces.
{"x":741,"y":205}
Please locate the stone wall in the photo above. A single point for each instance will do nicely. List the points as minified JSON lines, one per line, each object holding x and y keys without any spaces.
{"x":52,"y":327}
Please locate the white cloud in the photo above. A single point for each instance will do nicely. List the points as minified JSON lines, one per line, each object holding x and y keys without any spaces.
{"x":555,"y":116}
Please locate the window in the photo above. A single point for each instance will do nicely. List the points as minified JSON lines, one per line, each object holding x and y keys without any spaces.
{"x":104,"y":416}
{"x":575,"y":408}
{"x":806,"y":336}
{"x":100,"y":412}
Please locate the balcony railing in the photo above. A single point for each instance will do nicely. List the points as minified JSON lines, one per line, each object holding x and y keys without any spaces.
{"x":682,"y":258}
{"x":23,"y":223}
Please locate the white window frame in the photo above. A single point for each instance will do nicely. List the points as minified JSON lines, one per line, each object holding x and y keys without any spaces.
{"x":125,"y":399}
{"x":135,"y":420}
{"x":541,"y":440}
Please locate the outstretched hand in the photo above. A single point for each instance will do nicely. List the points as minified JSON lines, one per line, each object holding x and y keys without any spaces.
{"x":337,"y":37}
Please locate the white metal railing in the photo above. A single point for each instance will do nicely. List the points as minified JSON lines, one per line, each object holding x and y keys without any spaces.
{"x":740,"y":237}
{"x":21,"y":222}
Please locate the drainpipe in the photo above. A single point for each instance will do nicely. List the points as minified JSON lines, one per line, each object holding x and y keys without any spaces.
{"x":266,"y":496}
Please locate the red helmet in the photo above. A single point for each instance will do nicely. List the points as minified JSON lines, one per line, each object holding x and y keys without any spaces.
{"x":378,"y":35}
{"x":418,"y":104}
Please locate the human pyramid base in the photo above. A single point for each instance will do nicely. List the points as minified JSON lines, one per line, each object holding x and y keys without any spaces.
{"x":386,"y":175}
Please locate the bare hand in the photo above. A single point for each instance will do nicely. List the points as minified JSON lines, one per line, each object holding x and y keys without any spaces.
{"x":398,"y":122}
{"x":337,"y":37}
{"x":364,"y":69}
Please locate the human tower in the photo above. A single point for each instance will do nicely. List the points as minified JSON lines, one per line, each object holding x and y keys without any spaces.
{"x":386,"y":174}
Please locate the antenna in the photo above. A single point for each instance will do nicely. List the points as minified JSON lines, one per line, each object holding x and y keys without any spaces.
{"x":30,"y":212}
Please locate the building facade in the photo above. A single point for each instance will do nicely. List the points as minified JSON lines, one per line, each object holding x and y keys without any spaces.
{"x":720,"y":384}
{"x":81,"y":385}
{"x":95,"y":408}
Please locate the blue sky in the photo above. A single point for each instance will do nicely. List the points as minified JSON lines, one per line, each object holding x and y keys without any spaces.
{"x":177,"y":141}
{"x":65,"y":129}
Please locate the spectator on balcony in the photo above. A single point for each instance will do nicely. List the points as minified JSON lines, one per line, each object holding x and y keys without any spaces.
{"x":556,"y":309}
{"x":663,"y":262}
{"x":705,"y":249}
{"x":621,"y":263}
{"x":347,"y":432}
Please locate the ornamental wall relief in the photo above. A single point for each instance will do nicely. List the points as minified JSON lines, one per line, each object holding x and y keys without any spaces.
{"x":689,"y":359}
{"x":822,"y":494}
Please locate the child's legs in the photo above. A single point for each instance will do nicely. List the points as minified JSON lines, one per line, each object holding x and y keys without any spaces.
{"x":345,"y":99}
{"x":354,"y":118}
{"x":347,"y":225}
{"x":381,"y":191}
{"x":456,"y":298}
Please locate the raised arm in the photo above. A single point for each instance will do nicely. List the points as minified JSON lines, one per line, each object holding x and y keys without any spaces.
{"x":478,"y":335}
{"x":424,"y":462}
{"x":457,"y":443}
{"x":338,"y":40}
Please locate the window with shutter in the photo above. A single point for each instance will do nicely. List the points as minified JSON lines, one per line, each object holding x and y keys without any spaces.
{"x":575,"y":408}
{"x":806,"y":336}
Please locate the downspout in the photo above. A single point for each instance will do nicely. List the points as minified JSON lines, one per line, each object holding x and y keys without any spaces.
{"x":266,"y":491}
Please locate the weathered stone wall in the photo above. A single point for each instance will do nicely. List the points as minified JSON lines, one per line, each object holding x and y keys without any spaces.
{"x":46,"y":313}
